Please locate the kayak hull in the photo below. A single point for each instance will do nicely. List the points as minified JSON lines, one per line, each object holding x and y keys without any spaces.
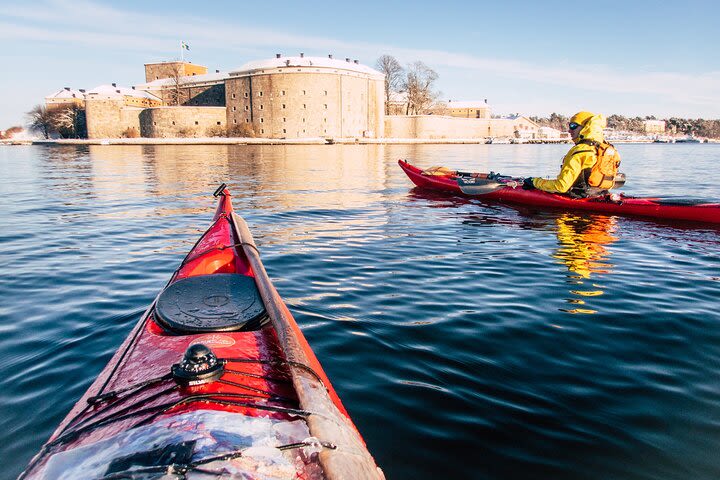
{"x":642,"y":207}
{"x":252,"y":420}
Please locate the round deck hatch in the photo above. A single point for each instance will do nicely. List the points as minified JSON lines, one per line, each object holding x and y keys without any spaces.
{"x":211,"y":303}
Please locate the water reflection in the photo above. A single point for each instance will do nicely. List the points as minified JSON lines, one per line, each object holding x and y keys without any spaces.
{"x":582,"y":248}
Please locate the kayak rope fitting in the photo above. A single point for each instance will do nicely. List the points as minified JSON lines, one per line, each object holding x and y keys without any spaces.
{"x":290,"y":363}
{"x":181,"y":469}
{"x":198,"y":366}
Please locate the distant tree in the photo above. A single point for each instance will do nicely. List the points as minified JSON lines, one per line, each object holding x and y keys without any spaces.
{"x":393,"y":71}
{"x":418,"y":85}
{"x":41,"y":120}
{"x":69,"y":121}
{"x":558,"y":121}
{"x":174,"y":90}
{"x":617,"y":122}
{"x":10,"y":132}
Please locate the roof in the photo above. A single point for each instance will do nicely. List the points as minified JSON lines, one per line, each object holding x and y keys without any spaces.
{"x":111,"y":91}
{"x":468,"y":104}
{"x":66,"y":93}
{"x":320,"y":62}
{"x":216,"y":77}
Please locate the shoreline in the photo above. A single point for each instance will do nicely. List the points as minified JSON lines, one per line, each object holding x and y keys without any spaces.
{"x":297,"y":141}
{"x":293,"y":141}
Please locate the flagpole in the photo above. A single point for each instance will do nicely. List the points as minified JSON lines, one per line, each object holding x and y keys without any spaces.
{"x":182,"y":52}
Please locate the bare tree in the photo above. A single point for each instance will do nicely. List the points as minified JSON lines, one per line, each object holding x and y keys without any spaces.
{"x":419,"y":88}
{"x":69,"y":121}
{"x":174,"y":90}
{"x":393,"y":71}
{"x":41,"y":120}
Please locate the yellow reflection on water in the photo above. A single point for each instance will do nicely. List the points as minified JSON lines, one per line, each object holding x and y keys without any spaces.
{"x":582,"y":248}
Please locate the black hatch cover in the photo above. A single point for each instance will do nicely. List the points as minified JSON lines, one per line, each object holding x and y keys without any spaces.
{"x":211,"y":303}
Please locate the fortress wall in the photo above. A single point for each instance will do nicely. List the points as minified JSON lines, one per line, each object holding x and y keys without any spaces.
{"x":109,"y":118}
{"x":302,"y":104}
{"x":196,"y":96}
{"x":206,"y":96}
{"x":171,"y":122}
{"x":438,"y":126}
{"x":376,"y":93}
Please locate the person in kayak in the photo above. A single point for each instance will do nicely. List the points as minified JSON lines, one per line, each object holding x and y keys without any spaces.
{"x":589,"y":167}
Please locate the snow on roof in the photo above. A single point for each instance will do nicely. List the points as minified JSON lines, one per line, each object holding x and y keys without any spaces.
{"x":216,"y":77}
{"x":113,"y":91}
{"x":66,"y":93}
{"x":469,"y":104}
{"x":321,"y":62}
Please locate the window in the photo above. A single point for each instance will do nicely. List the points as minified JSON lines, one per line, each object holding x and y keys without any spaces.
{"x":303,"y":120}
{"x":283,"y":105}
{"x":173,"y":123}
{"x":303,"y":92}
{"x":261,"y":120}
{"x":218,"y":123}
{"x":235,"y":121}
{"x":247,"y":108}
{"x":304,"y":106}
{"x":284,"y":119}
{"x":262,"y":131}
{"x":234,"y":108}
{"x":261,"y":107}
{"x":154,"y":123}
{"x":325,"y":106}
{"x":259,"y":94}
{"x":233,"y":95}
{"x":282,"y":92}
{"x":246,"y":95}
{"x":196,"y":122}
{"x":247,"y":120}
{"x":325,"y":92}
{"x":284,"y":131}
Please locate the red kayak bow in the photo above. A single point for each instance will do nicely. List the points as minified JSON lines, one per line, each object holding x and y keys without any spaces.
{"x":215,"y":381}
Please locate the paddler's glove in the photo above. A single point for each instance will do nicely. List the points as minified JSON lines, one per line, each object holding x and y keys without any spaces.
{"x":528,"y":184}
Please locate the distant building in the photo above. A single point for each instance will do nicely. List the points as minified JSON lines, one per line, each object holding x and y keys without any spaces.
{"x":66,"y":96}
{"x":654,"y":126}
{"x":296,"y":97}
{"x":549,"y":133}
{"x":398,"y":104}
{"x":111,"y":110}
{"x":160,"y":70}
{"x":283,"y":97}
{"x":473,"y":109}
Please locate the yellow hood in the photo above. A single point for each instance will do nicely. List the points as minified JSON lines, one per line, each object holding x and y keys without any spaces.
{"x":593,"y":129}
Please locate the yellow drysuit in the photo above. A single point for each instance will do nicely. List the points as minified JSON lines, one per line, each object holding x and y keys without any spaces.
{"x":581,"y":157}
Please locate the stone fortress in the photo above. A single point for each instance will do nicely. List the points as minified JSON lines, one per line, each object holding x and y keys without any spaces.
{"x":283,"y":97}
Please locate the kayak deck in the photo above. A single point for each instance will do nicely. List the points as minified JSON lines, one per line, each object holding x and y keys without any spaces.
{"x":665,"y":209}
{"x":234,"y":412}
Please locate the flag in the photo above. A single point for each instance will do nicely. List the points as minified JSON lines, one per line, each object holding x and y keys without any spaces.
{"x":185,"y":46}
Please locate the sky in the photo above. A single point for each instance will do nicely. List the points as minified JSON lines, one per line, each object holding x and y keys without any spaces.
{"x":633,"y":58}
